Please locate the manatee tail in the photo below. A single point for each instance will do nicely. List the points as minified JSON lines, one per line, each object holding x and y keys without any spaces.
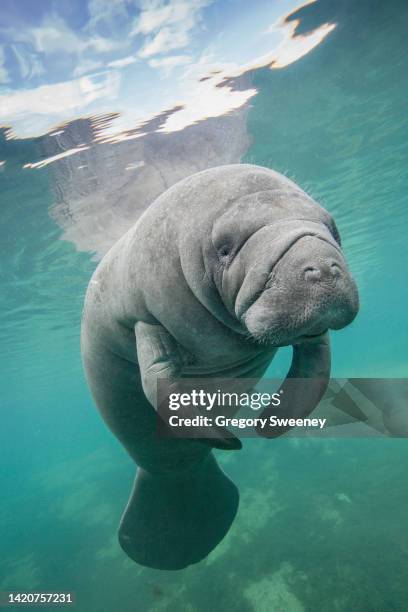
{"x":170,"y":523}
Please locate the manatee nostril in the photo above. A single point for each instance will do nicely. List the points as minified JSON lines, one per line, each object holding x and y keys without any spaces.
{"x":335,"y":269}
{"x":312,"y":274}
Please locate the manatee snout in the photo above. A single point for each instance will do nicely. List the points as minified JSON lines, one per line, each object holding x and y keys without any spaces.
{"x":310,"y":290}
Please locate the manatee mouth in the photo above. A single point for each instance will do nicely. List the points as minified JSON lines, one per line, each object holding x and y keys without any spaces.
{"x":309,"y":337}
{"x":268,"y":339}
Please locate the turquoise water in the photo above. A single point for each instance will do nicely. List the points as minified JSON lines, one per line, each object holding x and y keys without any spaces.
{"x":322,"y":523}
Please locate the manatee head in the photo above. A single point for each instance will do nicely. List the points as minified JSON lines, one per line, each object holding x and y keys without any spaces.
{"x":281,"y":271}
{"x":261,"y":255}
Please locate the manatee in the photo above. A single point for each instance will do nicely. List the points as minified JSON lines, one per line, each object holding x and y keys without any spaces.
{"x":221,"y":270}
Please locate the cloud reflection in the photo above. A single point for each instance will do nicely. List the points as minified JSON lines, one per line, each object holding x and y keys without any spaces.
{"x":139,"y":58}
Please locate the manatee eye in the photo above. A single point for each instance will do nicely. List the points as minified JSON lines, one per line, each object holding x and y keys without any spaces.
{"x":224,"y":251}
{"x":336,"y":233}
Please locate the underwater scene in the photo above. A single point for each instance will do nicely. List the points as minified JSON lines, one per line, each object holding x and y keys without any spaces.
{"x":106,"y":104}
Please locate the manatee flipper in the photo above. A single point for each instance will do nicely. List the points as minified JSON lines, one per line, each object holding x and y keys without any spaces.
{"x":172,"y":521}
{"x":160,"y":356}
{"x":304,"y":386}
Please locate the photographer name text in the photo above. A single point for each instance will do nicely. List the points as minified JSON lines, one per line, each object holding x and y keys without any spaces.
{"x":243,"y":423}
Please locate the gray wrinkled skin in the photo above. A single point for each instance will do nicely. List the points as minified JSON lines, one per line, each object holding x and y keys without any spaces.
{"x":222,"y":269}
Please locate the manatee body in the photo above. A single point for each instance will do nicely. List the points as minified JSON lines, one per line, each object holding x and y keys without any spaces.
{"x":224,"y":268}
